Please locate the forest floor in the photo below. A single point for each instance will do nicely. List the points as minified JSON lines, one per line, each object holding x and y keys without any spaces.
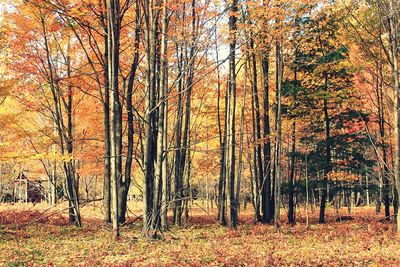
{"x":30,"y":237}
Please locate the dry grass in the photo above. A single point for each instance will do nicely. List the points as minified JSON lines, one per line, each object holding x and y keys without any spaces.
{"x":30,"y":237}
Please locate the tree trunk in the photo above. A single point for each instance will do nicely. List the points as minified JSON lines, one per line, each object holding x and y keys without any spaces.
{"x":307,"y":194}
{"x":393,"y":22}
{"x":222,"y":141}
{"x":327,"y":168}
{"x":261,"y":175}
{"x":124,"y":185}
{"x":151,"y":18}
{"x":107,"y":129}
{"x":291,"y":215}
{"x":163,"y":113}
{"x":257,"y":180}
{"x":381,"y":119}
{"x":231,"y":144}
{"x":114,"y":26}
{"x":278,"y":128}
{"x":188,"y":195}
{"x":367,"y":201}
{"x":267,"y":208}
{"x":241,"y":141}
{"x":178,"y":183}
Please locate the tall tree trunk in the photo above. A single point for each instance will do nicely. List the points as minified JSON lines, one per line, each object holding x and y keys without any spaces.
{"x":241,"y":143}
{"x":393,"y":30}
{"x":178,"y":183}
{"x":163,"y":114}
{"x":114,"y":26}
{"x":291,"y":214}
{"x":125,"y":184}
{"x":160,"y":175}
{"x":185,"y":157}
{"x":267,"y":207}
{"x":382,"y":131}
{"x":72,"y":183}
{"x":327,"y":167}
{"x":107,"y":155}
{"x":256,"y":184}
{"x":278,"y":128}
{"x":261,"y":176}
{"x":151,"y":13}
{"x":222,"y":142}
{"x":231,"y":144}
{"x":107,"y":128}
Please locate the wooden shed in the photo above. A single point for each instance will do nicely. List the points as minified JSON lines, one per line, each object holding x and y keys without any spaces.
{"x":27,"y":190}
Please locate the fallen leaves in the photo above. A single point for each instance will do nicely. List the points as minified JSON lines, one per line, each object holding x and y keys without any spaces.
{"x":359,"y":242}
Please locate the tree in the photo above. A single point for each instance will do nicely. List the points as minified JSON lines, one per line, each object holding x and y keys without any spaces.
{"x":113,"y":39}
{"x":364,"y":31}
{"x":230,"y":146}
{"x":389,"y":14}
{"x":328,"y":84}
{"x":151,"y":187}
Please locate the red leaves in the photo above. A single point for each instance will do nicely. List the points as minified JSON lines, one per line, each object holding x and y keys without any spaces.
{"x":362,"y":241}
{"x":21,"y":218}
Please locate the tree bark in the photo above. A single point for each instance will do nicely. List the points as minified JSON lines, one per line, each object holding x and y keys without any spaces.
{"x":113,"y":37}
{"x":267,"y":207}
{"x":230,"y":159}
{"x":259,"y":153}
{"x":151,"y":17}
{"x":393,"y":24}
{"x":291,"y":214}
{"x":278,"y":128}
{"x":124,"y":185}
{"x":327,"y":167}
{"x":163,"y":116}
